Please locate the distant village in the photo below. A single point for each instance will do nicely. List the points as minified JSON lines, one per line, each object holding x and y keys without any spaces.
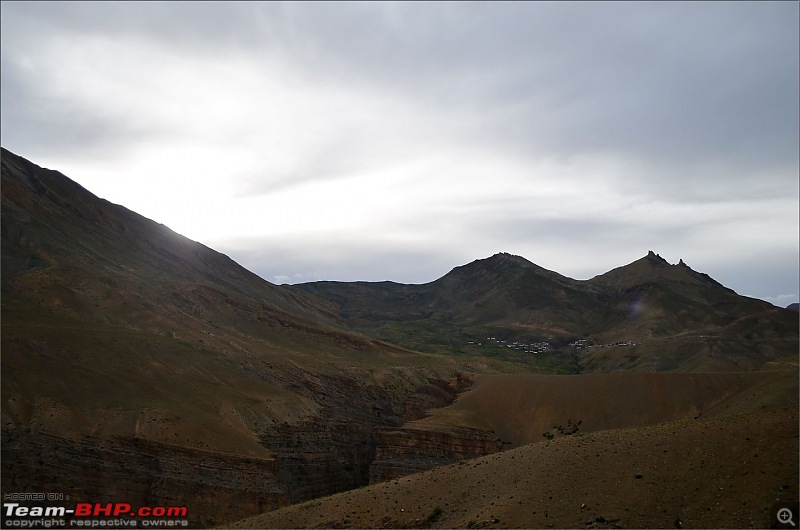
{"x":580,"y":344}
{"x":533,"y":347}
{"x":544,"y":346}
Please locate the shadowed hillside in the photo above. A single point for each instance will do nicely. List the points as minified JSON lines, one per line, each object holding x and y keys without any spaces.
{"x":143,"y":350}
{"x":646,"y":316}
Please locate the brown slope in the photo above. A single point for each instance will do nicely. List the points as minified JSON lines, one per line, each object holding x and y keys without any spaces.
{"x":521,"y":408}
{"x":112,"y":324}
{"x":502,"y":411}
{"x":146,"y":354}
{"x":50,"y":222}
{"x":717,"y":473}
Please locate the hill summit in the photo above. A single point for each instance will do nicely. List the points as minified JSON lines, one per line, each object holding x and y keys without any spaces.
{"x":654,"y":268}
{"x":651,"y":314}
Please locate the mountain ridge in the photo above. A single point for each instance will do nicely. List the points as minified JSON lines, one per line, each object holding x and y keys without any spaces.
{"x":646,"y":301}
{"x":654,"y":266}
{"x":137,"y":363}
{"x":151,"y":247}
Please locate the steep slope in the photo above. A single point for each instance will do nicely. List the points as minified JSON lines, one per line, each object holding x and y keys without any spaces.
{"x":103,"y":306}
{"x":144,"y":353}
{"x":52,"y":223}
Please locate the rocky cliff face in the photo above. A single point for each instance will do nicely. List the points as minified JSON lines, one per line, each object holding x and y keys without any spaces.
{"x":322,"y":457}
{"x":215,"y":487}
{"x":336,"y":451}
{"x":401,"y":452}
{"x":333,"y":451}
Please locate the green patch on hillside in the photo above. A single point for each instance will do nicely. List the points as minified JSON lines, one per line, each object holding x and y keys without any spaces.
{"x":437,"y":335}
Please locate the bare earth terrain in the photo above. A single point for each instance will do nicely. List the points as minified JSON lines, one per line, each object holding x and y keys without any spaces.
{"x":713,"y":473}
{"x":521,"y":408}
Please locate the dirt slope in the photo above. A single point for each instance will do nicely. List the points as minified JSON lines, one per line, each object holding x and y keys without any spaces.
{"x":712,"y":473}
{"x":521,"y":408}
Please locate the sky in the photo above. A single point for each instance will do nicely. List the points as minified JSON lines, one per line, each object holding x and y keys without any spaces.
{"x":395,"y":141}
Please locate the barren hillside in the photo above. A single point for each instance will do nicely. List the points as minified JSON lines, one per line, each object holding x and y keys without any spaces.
{"x":711,"y":473}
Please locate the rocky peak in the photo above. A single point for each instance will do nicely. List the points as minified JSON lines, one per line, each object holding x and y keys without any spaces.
{"x":508,"y":259}
{"x":498,"y":264}
{"x":655,"y":260}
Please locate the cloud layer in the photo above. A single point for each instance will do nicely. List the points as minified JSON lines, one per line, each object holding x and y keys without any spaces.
{"x":397,"y":140}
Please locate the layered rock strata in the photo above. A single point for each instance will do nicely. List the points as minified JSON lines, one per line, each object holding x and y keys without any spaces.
{"x":401,"y":452}
{"x":332,"y":451}
{"x":215,"y":487}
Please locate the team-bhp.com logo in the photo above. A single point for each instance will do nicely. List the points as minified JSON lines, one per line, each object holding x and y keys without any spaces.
{"x":94,"y":515}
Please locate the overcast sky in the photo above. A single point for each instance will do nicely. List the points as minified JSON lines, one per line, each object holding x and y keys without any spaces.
{"x":395,"y":141}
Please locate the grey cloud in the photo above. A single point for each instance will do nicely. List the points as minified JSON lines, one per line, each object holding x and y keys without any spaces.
{"x":681,"y":88}
{"x":341,"y":156}
{"x":697,"y":101}
{"x":760,"y":275}
{"x":680,"y":82}
{"x":341,"y":260}
{"x":36,"y":124}
{"x":195,"y":25}
{"x":38,"y":119}
{"x":674,"y":100}
{"x":333,"y":161}
{"x":595,"y":71}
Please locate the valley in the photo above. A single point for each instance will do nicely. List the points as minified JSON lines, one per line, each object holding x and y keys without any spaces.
{"x":718,"y":473}
{"x":141,"y":366}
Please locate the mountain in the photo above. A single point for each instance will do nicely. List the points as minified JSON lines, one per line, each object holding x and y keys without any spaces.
{"x":669,"y":299}
{"x":652,"y":268}
{"x":52,"y":224}
{"x":649,"y":315}
{"x":140,"y":366}
{"x":130,"y":354}
{"x":504,"y":296}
